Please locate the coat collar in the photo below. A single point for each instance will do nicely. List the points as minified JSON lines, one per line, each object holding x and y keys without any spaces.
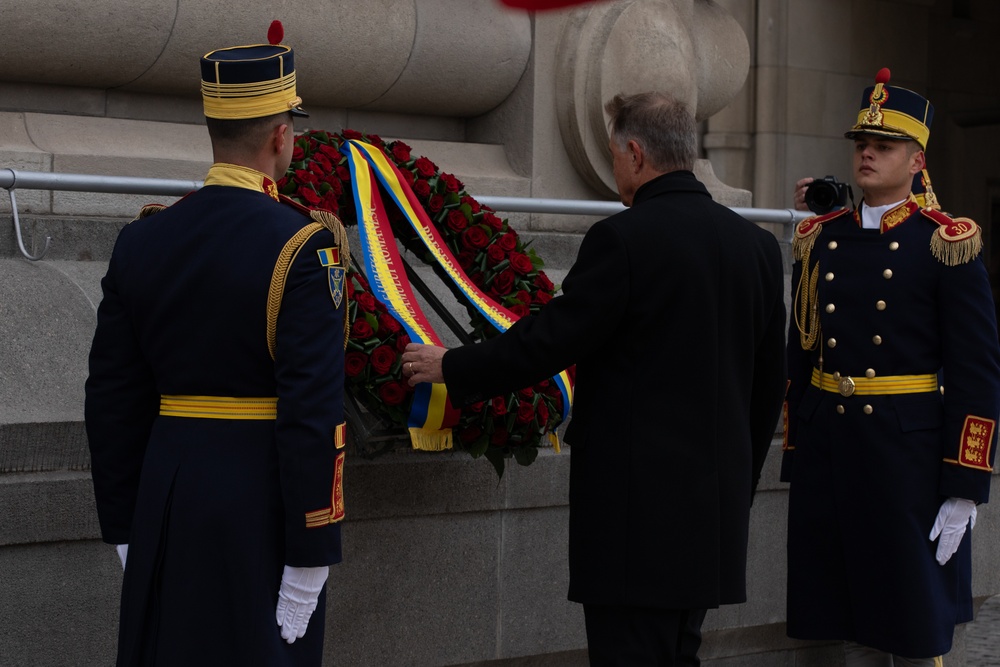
{"x":672,"y":181}
{"x":237,"y":176}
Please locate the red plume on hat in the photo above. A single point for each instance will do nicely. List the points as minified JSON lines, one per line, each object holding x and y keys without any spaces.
{"x":882,"y":76}
{"x":276,"y":33}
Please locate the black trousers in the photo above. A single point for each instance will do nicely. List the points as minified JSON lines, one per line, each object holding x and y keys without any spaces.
{"x":641,"y":637}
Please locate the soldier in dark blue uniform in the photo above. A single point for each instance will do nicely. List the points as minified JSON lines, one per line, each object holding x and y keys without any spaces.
{"x":214,"y":402}
{"x":890,"y":302}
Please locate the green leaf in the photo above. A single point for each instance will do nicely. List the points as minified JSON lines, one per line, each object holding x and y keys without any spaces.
{"x":495,"y":455}
{"x":525,"y":455}
{"x":479,"y":447}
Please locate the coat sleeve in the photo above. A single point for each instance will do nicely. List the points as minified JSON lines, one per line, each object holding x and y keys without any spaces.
{"x":769,"y":365}
{"x":799,"y":373}
{"x":309,"y":375}
{"x":971,"y":362}
{"x":574,"y":323}
{"x":120,"y":406}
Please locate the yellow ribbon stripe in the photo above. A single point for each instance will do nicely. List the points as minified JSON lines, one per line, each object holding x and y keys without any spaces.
{"x":219,"y":407}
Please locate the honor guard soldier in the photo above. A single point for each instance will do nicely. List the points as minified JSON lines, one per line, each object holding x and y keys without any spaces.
{"x":886,"y":465}
{"x":214,"y":402}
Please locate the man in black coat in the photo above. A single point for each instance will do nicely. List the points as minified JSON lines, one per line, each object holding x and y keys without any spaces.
{"x":673,"y":314}
{"x":214,"y":402}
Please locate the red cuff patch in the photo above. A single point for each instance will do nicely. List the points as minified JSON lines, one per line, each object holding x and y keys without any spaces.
{"x":335,"y":512}
{"x":976,"y":441}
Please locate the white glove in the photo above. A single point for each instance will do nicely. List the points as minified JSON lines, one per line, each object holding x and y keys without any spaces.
{"x":122,"y":553}
{"x":953,"y":517}
{"x":297,"y":597}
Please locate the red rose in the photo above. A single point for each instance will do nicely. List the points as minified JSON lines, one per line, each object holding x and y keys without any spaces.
{"x":494,"y":255}
{"x":330,"y":202}
{"x":508,"y":241}
{"x":343,"y":173}
{"x":388,"y":323}
{"x":451,"y":184}
{"x":523,"y":296}
{"x":498,"y":406}
{"x":500,"y":436}
{"x":350,"y":289}
{"x":466,"y":259}
{"x":495,"y":223}
{"x":526,"y":394}
{"x":400,"y":151}
{"x":375,"y":140}
{"x":361,"y":330}
{"x":525,"y":413}
{"x":422,"y":188}
{"x":303,"y":176}
{"x":366,"y":301}
{"x":543,"y":413}
{"x":542,"y":297}
{"x":401,"y":342}
{"x":392,"y":392}
{"x":309,"y":195}
{"x":521,"y":263}
{"x":425,"y":167}
{"x":298,"y":153}
{"x":435,"y":204}
{"x":473,"y":204}
{"x":351,"y":134}
{"x":336,"y":187}
{"x":383,"y":357}
{"x":476,"y":407}
{"x":519,"y":310}
{"x":408,"y":176}
{"x":330,"y":151}
{"x":475,"y":238}
{"x":471,"y":434}
{"x":354,"y":363}
{"x":542,"y":282}
{"x":323,"y":161}
{"x":456,"y":220}
{"x":503,"y":282}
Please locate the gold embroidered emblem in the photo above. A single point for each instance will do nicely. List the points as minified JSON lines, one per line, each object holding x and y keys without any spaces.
{"x":975,"y":444}
{"x":878,"y":98}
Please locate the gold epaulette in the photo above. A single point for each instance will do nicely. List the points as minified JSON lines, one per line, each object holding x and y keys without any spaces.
{"x":956,"y":240}
{"x":807,"y":231}
{"x":148,"y":210}
{"x":320,"y":220}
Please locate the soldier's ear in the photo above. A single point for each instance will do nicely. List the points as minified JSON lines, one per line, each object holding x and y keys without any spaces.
{"x":279,"y":135}
{"x":917,"y":162}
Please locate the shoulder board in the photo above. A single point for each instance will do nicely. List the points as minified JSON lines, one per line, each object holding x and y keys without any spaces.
{"x":288,"y":201}
{"x":810,"y":225}
{"x":956,"y":240}
{"x":807,"y":231}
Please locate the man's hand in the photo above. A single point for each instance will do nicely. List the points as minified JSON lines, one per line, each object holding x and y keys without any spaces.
{"x":953,"y":517}
{"x":297,"y":598}
{"x":800,"y":193}
{"x":422,"y":363}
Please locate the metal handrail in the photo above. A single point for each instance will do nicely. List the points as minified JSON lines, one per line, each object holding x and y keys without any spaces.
{"x":12,"y":179}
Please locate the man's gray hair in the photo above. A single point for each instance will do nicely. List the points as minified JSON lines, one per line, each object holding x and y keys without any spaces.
{"x":664,"y":128}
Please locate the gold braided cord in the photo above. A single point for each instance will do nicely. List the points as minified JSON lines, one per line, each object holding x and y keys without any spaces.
{"x":278,"y":278}
{"x":336,"y":227}
{"x":804,"y":306}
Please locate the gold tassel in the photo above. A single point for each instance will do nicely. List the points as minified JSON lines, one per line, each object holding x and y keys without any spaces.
{"x":802,"y":245}
{"x":804,"y":305}
{"x":554,"y":439}
{"x":953,"y":253}
{"x":148,"y":210}
{"x":429,"y":440}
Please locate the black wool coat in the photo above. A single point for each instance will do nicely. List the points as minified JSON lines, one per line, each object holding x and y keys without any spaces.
{"x":673,"y":314}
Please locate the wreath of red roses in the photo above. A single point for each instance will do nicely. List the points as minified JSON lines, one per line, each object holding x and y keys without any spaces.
{"x":489,"y":251}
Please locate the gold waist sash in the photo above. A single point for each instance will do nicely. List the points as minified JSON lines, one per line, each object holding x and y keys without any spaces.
{"x":877,"y":386}
{"x":219,"y":407}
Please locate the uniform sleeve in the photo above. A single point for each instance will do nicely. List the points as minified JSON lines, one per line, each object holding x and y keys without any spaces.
{"x":799,"y":371}
{"x":769,"y":366}
{"x":121,"y":404}
{"x":537,"y":347}
{"x":971,"y":361}
{"x":309,"y":374}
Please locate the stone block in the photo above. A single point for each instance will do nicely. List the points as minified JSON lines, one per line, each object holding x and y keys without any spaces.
{"x":23,"y":96}
{"x":60,"y":604}
{"x":814,"y":48}
{"x":47,"y":325}
{"x":47,"y":507}
{"x":45,"y":446}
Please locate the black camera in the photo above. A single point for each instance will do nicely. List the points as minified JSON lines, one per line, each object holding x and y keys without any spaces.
{"x":827,"y":194}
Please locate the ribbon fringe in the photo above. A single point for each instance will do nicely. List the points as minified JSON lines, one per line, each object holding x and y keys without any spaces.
{"x":428,"y":440}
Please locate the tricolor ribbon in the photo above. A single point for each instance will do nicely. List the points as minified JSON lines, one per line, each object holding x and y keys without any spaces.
{"x":364,"y":160}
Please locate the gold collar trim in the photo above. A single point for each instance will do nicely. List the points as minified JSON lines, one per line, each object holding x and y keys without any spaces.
{"x":237,"y":176}
{"x":895,"y":215}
